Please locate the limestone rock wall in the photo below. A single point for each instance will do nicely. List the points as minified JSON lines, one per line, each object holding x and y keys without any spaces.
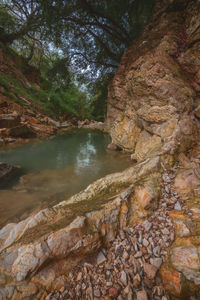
{"x":156,"y":89}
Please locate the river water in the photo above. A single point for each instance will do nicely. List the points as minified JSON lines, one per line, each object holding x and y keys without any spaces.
{"x":55,"y":169}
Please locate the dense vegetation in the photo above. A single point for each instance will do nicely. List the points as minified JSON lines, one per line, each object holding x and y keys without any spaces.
{"x":77,"y":45}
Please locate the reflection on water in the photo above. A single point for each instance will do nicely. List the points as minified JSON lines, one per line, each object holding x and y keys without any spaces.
{"x":55,"y":169}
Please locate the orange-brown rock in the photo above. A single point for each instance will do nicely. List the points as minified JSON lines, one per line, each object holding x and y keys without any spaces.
{"x":153,"y":93}
{"x":172,"y":281}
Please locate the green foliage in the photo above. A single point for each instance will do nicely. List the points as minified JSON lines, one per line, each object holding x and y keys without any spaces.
{"x":55,"y":69}
{"x":4,"y":82}
{"x":7,"y":21}
{"x":54,"y":102}
{"x":99,"y":91}
{"x":70,"y":101}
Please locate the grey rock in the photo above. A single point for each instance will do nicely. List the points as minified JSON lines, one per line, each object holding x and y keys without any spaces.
{"x":177,"y":206}
{"x":145,"y":242}
{"x":101,"y":258}
{"x":165,"y":231}
{"x":166,"y":178}
{"x":123,"y":278}
{"x":147,"y":225}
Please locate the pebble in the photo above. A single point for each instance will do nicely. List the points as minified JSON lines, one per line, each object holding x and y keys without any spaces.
{"x":165,"y":231}
{"x":177,"y":206}
{"x":147,"y":225}
{"x":166,"y":178}
{"x":113,"y":292}
{"x":79,"y":276}
{"x":101,"y":258}
{"x":141,"y":295}
{"x":145,"y":242}
{"x":150,"y":270}
{"x":97,"y":293}
{"x":123,"y":278}
{"x":157,"y":262}
{"x":138,"y":254}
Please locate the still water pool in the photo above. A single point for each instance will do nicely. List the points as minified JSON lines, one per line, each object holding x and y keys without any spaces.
{"x":54,"y":169}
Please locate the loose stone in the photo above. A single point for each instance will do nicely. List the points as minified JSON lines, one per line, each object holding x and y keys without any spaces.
{"x":150,"y":270}
{"x":123,"y":278}
{"x":141,"y":295}
{"x":177,"y":206}
{"x":113,"y":292}
{"x":147,"y":225}
{"x":145,"y":242}
{"x":157,"y":262}
{"x":101,"y":258}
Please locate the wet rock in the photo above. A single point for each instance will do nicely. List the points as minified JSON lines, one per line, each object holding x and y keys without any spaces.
{"x":6,"y":171}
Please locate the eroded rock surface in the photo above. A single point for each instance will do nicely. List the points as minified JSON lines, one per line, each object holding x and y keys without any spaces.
{"x":156,"y":88}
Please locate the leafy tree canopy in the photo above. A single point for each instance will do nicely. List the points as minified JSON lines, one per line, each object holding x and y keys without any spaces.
{"x":92,"y":34}
{"x":74,"y":41}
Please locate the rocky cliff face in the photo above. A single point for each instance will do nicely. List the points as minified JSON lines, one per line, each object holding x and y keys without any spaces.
{"x":154,"y":110}
{"x":156,"y":89}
